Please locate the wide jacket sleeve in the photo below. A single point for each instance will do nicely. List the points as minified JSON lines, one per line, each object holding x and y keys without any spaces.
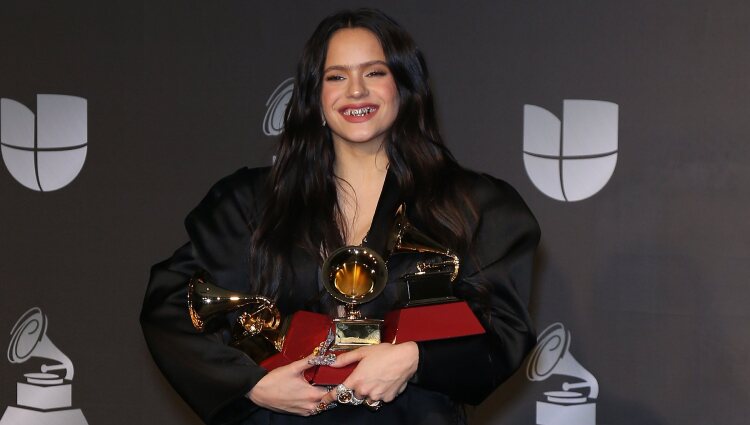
{"x":496,"y":273}
{"x":210,"y":376}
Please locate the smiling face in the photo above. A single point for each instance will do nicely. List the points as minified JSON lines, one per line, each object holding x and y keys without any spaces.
{"x":359,"y":97}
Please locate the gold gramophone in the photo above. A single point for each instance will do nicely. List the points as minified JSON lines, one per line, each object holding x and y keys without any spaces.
{"x":354,"y":275}
{"x":431,"y":283}
{"x":258,"y":329}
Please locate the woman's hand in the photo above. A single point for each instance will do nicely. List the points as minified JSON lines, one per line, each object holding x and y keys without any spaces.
{"x":382,"y":373}
{"x":286,"y":390}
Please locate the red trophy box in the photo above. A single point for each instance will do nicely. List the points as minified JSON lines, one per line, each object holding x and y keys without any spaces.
{"x":306,"y":331}
{"x":422,"y":323}
{"x":430,"y":322}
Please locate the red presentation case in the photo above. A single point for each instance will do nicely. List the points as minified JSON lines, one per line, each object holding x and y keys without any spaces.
{"x":423,"y":323}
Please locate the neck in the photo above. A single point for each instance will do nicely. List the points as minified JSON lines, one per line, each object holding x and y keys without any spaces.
{"x":357,"y":162}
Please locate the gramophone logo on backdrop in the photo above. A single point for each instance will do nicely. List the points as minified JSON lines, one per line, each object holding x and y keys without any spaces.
{"x":577,"y":163}
{"x":273,"y":122}
{"x":46,"y":151}
{"x":45,"y":397}
{"x":552,"y":356}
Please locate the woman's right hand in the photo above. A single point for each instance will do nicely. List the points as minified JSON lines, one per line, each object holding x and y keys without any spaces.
{"x":286,"y":390}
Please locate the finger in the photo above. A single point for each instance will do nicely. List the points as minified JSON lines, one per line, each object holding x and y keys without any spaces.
{"x":329,"y":397}
{"x":349,"y":357}
{"x":403,"y":387}
{"x":312,"y":407}
{"x":301,"y":365}
{"x":332,"y":396}
{"x":320,"y":407}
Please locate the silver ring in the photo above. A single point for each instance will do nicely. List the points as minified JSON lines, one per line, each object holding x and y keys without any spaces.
{"x":345,"y":395}
{"x":373,"y":405}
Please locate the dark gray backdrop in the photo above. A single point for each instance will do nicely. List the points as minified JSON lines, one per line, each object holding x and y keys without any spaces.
{"x":649,"y":275}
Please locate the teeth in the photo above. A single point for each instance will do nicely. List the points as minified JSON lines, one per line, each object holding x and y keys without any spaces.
{"x":359,"y":112}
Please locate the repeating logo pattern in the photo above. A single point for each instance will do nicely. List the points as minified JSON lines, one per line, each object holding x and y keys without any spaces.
{"x":273,"y":122}
{"x":47,"y":396}
{"x":46,"y":151}
{"x":576,"y":163}
{"x":551,"y":356}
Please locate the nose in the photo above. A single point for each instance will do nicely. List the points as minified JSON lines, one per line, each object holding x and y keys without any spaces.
{"x":357,"y":87}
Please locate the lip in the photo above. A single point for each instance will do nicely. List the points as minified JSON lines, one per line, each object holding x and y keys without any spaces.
{"x":356,"y":119}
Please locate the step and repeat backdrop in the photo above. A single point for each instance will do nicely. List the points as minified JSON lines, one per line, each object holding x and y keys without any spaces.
{"x":624,"y":125}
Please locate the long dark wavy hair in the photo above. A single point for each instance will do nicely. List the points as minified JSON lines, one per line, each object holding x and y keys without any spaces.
{"x":303,"y":210}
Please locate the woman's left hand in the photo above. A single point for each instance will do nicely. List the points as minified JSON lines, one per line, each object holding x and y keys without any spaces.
{"x":382,"y":373}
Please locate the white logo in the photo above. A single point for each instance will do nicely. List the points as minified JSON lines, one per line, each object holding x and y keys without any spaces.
{"x":551,"y":356}
{"x":578,"y":164}
{"x":47,"y":151}
{"x":273,"y":122}
{"x":45,"y":398}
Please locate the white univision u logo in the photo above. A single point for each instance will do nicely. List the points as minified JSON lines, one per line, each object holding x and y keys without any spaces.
{"x":578,"y":163}
{"x":46,"y":151}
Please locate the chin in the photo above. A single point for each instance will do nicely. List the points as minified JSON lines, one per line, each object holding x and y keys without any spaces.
{"x":360,"y":137}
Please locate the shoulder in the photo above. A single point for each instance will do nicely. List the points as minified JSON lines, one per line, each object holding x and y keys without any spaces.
{"x":242,"y":191}
{"x":245,"y":183}
{"x":228,"y":212}
{"x":493,"y":195}
{"x":502,"y":220}
{"x":221,"y":226}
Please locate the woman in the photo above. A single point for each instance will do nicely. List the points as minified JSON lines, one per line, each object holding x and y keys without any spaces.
{"x":360,"y":138}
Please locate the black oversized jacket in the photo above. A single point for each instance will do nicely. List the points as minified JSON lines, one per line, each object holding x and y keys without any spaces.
{"x":214,"y":378}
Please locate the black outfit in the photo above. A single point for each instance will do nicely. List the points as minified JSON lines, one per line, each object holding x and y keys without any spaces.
{"x":214,"y":378}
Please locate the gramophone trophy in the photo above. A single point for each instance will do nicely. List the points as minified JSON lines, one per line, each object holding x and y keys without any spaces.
{"x":45,"y":397}
{"x":429,"y":310}
{"x":258,"y":330}
{"x":432,"y":282}
{"x":354,"y":275}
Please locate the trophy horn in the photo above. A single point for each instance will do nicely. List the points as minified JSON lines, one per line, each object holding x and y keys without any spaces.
{"x":407,"y":238}
{"x":259,"y":315}
{"x":354,"y":274}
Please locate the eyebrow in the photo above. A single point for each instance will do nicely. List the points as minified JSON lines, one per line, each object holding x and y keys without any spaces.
{"x":349,"y":67}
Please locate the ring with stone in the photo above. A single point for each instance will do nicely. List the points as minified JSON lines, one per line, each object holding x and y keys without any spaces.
{"x":345,"y":395}
{"x":322,"y":407}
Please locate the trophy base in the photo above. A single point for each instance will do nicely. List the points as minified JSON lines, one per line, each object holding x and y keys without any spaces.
{"x":19,"y":416}
{"x":426,"y":288}
{"x":354,"y":333}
